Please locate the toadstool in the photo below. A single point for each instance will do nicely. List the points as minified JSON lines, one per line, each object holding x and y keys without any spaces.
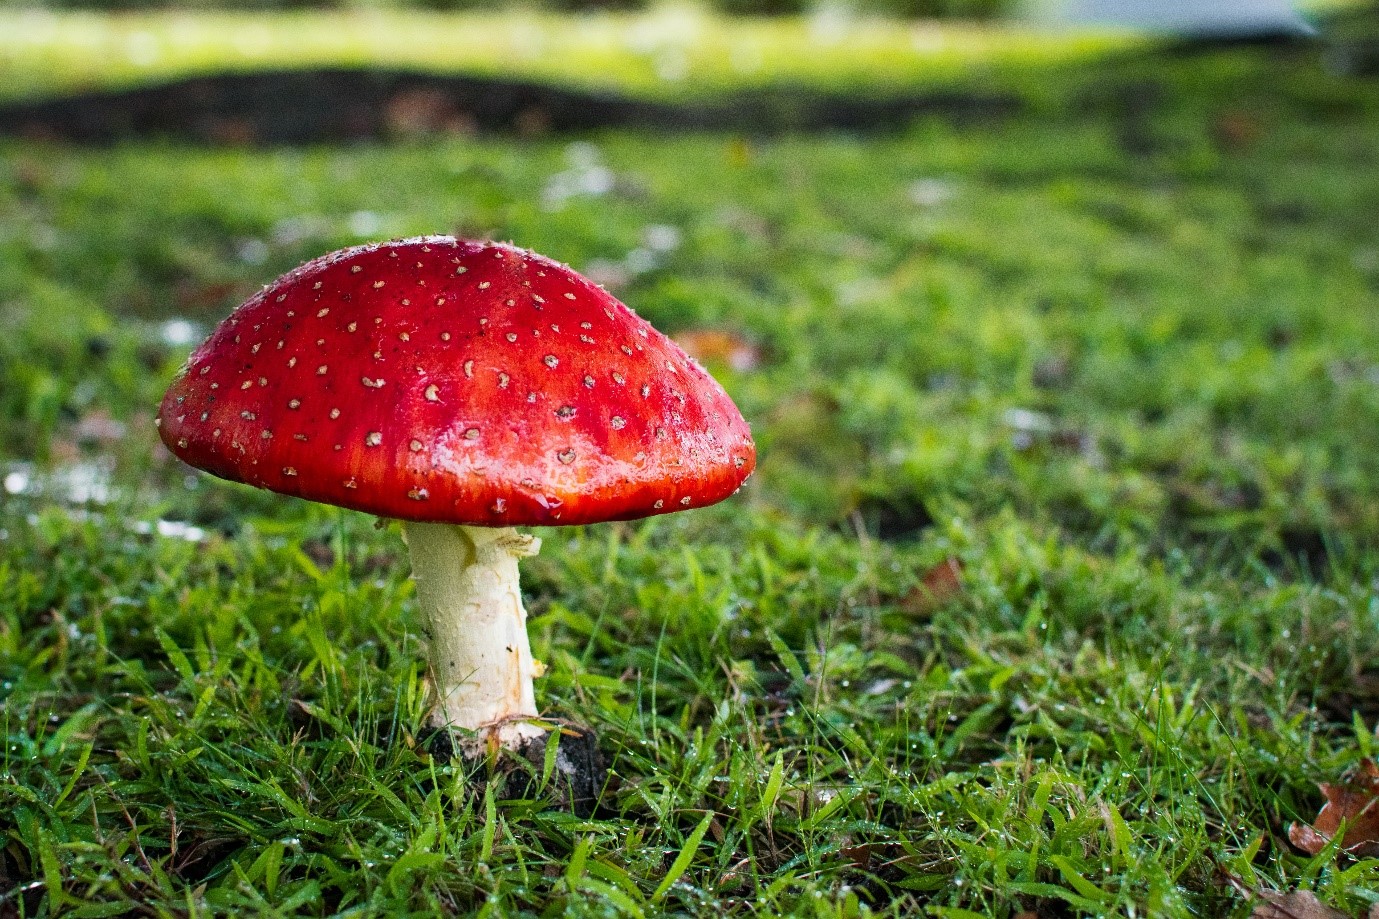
{"x":464,"y":388}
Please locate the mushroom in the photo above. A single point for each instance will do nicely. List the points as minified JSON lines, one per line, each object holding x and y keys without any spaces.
{"x":464,"y":388}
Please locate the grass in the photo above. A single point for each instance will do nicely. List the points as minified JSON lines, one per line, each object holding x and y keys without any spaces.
{"x":1116,"y":359}
{"x":672,"y":52}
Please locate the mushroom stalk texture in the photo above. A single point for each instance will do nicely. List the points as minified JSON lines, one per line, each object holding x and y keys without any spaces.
{"x":481,"y":661}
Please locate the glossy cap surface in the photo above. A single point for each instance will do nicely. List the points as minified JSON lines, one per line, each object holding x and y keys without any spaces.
{"x":444,"y":380}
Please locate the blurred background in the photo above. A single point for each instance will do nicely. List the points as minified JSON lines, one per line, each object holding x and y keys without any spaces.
{"x":1108,"y":264}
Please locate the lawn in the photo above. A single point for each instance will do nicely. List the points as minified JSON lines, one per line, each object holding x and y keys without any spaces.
{"x":675,"y":51}
{"x":1112,"y":362}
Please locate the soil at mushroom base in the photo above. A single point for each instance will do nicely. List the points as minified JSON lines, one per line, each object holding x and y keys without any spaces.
{"x":464,"y":388}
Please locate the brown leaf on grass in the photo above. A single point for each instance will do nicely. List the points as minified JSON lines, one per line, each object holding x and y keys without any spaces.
{"x":1299,"y":904}
{"x":1237,"y":130}
{"x":715,"y":346}
{"x":1353,"y":802}
{"x":940,"y":584}
{"x":858,"y":855}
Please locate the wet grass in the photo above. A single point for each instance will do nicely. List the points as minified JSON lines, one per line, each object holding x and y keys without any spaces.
{"x":1116,"y":360}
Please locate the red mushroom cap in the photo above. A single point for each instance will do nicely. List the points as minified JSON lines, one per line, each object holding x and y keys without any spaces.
{"x":452,"y":381}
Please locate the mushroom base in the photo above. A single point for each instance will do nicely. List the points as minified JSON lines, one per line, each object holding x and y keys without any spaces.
{"x":481,"y":661}
{"x":575,"y":782}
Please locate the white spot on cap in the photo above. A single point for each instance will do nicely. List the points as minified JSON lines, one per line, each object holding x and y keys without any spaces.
{"x":551,"y":360}
{"x":471,"y":434}
{"x":659,"y":504}
{"x":433,"y":393}
{"x":566,"y":456}
{"x":372,"y":384}
{"x":377,"y":284}
{"x":484,"y":285}
{"x":373,"y":439}
{"x":294,"y":403}
{"x":288,"y":470}
{"x":415,"y":445}
{"x":469,"y":369}
{"x":418,"y":494}
{"x":685,"y":500}
{"x":322,"y":311}
{"x":335,"y":413}
{"x":321,"y":370}
{"x":511,"y":336}
{"x":617,"y":422}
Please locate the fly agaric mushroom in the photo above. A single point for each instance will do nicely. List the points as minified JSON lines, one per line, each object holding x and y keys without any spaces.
{"x":464,"y":388}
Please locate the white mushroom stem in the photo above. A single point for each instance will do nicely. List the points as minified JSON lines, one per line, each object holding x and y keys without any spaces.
{"x":481,"y":662}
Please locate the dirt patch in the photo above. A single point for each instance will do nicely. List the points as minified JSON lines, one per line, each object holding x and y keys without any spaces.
{"x":334,"y":105}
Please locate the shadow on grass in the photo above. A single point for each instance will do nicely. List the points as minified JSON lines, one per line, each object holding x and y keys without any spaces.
{"x":332,"y":105}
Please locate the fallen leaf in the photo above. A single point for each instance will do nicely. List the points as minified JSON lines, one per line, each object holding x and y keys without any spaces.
{"x":1299,"y":904}
{"x":1353,"y":803}
{"x":1236,"y":130}
{"x":715,"y":346}
{"x":422,"y":111}
{"x":857,"y":856}
{"x":939,"y":584}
